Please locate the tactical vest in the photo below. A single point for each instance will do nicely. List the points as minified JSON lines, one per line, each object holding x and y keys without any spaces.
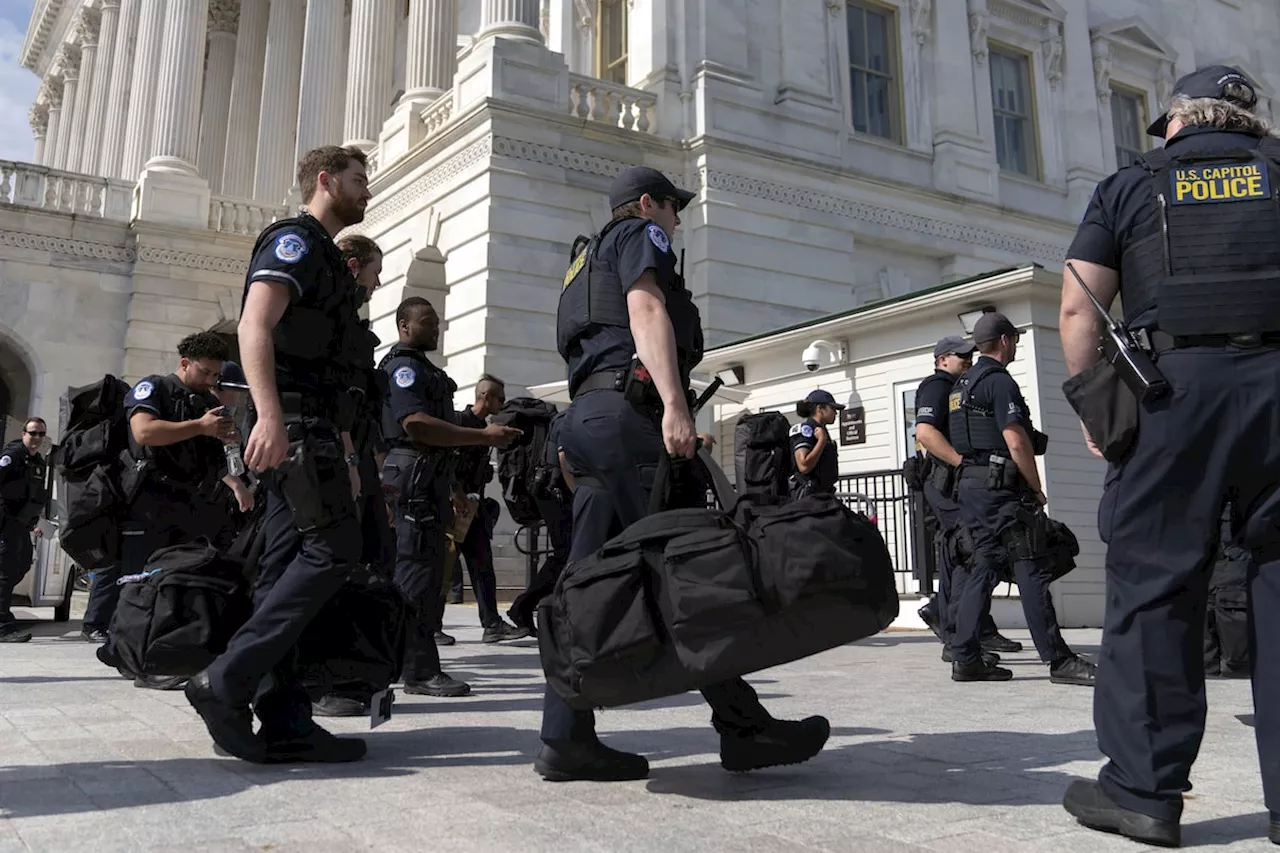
{"x":439,"y":393}
{"x":189,"y":462}
{"x":1208,"y":258}
{"x":593,"y":296}
{"x":944,"y":424}
{"x":24,"y":495}
{"x":313,"y":338}
{"x":973,"y":429}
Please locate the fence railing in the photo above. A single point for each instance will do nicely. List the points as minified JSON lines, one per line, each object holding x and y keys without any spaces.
{"x":30,"y":185}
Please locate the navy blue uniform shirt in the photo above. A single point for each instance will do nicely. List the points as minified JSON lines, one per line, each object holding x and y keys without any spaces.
{"x":827,"y":471}
{"x":418,"y":387}
{"x":291,"y":257}
{"x":471,"y":460}
{"x":192,"y":461}
{"x":1000,"y":395}
{"x":629,"y":248}
{"x":1125,"y":199}
{"x":932,"y":406}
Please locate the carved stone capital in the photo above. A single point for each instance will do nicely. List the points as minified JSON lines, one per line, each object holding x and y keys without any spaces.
{"x":51,"y":91}
{"x":87,"y":24}
{"x":979,"y":23}
{"x":921,"y":23}
{"x":38,"y":116}
{"x":68,"y":62}
{"x":1102,"y":70}
{"x":224,"y":16}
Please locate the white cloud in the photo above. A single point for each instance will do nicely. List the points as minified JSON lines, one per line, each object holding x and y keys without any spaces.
{"x":17,"y":92}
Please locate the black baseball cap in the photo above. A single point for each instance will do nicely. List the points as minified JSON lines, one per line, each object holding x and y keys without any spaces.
{"x":823,"y":398}
{"x":232,"y":376}
{"x":993,"y":325}
{"x":1206,"y":83}
{"x":952,"y":344}
{"x":638,"y":180}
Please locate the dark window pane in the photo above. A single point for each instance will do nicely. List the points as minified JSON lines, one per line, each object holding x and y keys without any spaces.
{"x":877,"y":42}
{"x":878,"y":115}
{"x":859,"y":81}
{"x":857,"y":37}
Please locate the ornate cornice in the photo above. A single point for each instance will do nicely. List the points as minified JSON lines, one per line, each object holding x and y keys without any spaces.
{"x":63,"y":246}
{"x":190,"y":260}
{"x":44,"y":17}
{"x":224,"y":16}
{"x":38,"y":117}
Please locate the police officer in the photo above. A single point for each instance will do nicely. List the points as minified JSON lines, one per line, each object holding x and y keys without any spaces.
{"x":630,"y":334}
{"x":1190,"y":239}
{"x":473,"y":473}
{"x":952,"y":356}
{"x":176,"y":427}
{"x":817,"y":461}
{"x":22,"y":499}
{"x":418,"y":424}
{"x":296,"y":318}
{"x":1000,"y":503}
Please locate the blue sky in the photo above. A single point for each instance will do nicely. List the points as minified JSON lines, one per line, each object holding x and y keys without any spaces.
{"x":17,"y":85}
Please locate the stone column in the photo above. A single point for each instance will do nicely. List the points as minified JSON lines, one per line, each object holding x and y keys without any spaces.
{"x":87,"y":34}
{"x":278,"y":117}
{"x":142,"y":94}
{"x":369,"y":67}
{"x":116,"y":120}
{"x":215,"y":111}
{"x":432,"y":57}
{"x":51,"y":95}
{"x":102,"y":81}
{"x":246,"y":100}
{"x":38,"y":116}
{"x":174,"y":139}
{"x":511,"y":19}
{"x":320,"y":97}
{"x":69,"y":63}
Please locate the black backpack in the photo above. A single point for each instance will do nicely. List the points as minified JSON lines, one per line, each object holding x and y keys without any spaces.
{"x":92,"y":455}
{"x":762,"y":456}
{"x":523,"y":470}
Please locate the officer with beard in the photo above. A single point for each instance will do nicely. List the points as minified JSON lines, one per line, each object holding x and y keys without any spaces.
{"x":630,"y":334}
{"x":419,"y":428}
{"x":22,"y":499}
{"x":294,"y":329}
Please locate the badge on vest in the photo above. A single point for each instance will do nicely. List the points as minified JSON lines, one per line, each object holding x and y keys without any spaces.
{"x":658,"y":237}
{"x":574,"y":269}
{"x":143,"y":390}
{"x":1220,"y":182}
{"x":404,"y":376}
{"x":953,"y":402}
{"x":290,"y":248}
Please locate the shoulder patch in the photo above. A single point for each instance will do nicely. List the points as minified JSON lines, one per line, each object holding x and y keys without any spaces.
{"x":290,"y":248}
{"x":802,"y":429}
{"x":405,"y":376}
{"x":6,"y":461}
{"x":658,"y":237}
{"x":143,"y":390}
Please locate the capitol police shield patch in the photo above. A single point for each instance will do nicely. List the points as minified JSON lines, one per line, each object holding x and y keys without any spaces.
{"x":658,"y":237}
{"x":404,"y":377}
{"x":290,"y":248}
{"x":143,"y":390}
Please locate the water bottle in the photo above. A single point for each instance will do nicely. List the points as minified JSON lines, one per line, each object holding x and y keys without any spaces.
{"x":235,"y":464}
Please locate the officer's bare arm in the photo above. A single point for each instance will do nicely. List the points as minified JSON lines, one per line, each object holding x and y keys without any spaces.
{"x":655,"y":339}
{"x":932,"y":440}
{"x":151,"y":431}
{"x":1023,"y":454}
{"x":433,"y":432}
{"x":263,"y":307}
{"x":1078,"y":321}
{"x":807,"y":459}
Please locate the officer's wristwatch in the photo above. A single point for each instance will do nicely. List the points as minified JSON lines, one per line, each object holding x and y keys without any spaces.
{"x":354,"y":460}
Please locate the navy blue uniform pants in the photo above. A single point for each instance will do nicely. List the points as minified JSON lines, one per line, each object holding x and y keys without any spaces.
{"x":558,"y":515}
{"x":420,"y":554}
{"x":947,"y":512}
{"x":297,"y":574}
{"x":161,"y":516}
{"x":1212,"y":438}
{"x":618,"y":445}
{"x":15,"y":561}
{"x":477,"y":549}
{"x":988,"y":513}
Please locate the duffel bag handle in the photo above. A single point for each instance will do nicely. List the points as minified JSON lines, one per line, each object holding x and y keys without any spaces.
{"x":660,"y":494}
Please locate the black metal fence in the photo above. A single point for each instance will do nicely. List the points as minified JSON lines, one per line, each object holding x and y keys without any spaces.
{"x":900,"y":516}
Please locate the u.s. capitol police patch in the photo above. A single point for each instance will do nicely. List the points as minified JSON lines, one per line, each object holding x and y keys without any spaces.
{"x":806,"y":430}
{"x":5,"y":461}
{"x":143,"y":390}
{"x":404,"y":376}
{"x":290,"y":248}
{"x":658,"y":237}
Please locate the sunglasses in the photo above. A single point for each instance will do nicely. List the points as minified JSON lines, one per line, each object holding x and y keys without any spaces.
{"x":40,"y":434}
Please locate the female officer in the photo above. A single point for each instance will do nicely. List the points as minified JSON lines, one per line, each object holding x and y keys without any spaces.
{"x":815,"y":455}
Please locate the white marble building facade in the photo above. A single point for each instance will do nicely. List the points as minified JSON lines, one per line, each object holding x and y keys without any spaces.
{"x":843,"y":151}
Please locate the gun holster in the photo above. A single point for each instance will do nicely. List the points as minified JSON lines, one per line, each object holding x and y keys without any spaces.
{"x":942,"y":476}
{"x":313,"y":479}
{"x":1028,"y":537}
{"x":1002,"y":473}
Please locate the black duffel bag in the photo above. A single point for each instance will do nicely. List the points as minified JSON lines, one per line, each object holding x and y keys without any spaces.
{"x":357,"y":641}
{"x":178,"y":614}
{"x":686,"y":598}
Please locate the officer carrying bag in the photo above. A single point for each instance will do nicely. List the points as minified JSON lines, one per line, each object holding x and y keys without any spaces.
{"x":91,"y":459}
{"x":522,"y":469}
{"x":762,"y":456}
{"x":686,"y":598}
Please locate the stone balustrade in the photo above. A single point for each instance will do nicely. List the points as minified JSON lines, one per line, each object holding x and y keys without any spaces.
{"x":29,"y":185}
{"x":437,"y":115}
{"x":597,"y":100}
{"x":242,"y":216}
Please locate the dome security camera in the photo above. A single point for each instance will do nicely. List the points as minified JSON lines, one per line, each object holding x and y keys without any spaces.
{"x":812,"y":357}
{"x":822,"y":354}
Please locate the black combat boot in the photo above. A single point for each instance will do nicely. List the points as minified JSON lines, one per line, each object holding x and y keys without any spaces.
{"x":1088,"y":803}
{"x":980,"y":671}
{"x":592,"y":761}
{"x":780,"y":742}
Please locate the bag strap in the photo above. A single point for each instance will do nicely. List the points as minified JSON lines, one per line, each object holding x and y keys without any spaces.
{"x":243,"y":543}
